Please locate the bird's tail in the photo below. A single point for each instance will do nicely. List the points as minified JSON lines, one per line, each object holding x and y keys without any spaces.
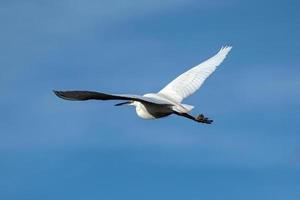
{"x":188,"y":107}
{"x":183,"y":108}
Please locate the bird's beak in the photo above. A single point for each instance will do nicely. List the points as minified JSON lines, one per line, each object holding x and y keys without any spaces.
{"x":123,"y":103}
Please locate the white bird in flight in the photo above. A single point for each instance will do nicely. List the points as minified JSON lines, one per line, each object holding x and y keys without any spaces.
{"x":168,"y":100}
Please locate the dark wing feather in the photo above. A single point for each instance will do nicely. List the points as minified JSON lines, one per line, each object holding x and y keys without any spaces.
{"x":87,"y":95}
{"x":90,"y":95}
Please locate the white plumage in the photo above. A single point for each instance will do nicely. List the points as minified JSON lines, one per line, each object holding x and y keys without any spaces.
{"x":190,"y":81}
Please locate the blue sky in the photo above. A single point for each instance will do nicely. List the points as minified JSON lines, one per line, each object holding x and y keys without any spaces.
{"x":54,"y":149}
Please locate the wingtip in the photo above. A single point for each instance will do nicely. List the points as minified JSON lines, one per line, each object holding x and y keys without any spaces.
{"x":226,"y":47}
{"x":59,"y":94}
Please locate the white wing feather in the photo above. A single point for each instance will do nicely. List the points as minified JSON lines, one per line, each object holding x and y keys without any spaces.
{"x":190,"y":81}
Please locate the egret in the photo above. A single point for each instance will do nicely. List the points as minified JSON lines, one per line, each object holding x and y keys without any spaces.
{"x":168,"y":100}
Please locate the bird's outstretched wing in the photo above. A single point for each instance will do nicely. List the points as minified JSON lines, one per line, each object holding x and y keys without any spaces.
{"x":190,"y":81}
{"x":90,"y":95}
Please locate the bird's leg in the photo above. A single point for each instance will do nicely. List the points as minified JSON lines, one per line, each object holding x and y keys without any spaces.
{"x":200,"y":118}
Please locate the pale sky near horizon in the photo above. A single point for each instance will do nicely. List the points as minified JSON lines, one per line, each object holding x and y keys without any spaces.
{"x":55,"y":149}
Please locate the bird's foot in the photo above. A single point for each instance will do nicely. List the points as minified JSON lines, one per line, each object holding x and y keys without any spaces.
{"x":202,"y":119}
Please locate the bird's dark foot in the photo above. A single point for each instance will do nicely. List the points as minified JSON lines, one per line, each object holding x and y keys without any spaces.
{"x":201,"y":119}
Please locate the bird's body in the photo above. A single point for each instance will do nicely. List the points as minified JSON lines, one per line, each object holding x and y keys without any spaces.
{"x":168,"y":100}
{"x":153,"y":111}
